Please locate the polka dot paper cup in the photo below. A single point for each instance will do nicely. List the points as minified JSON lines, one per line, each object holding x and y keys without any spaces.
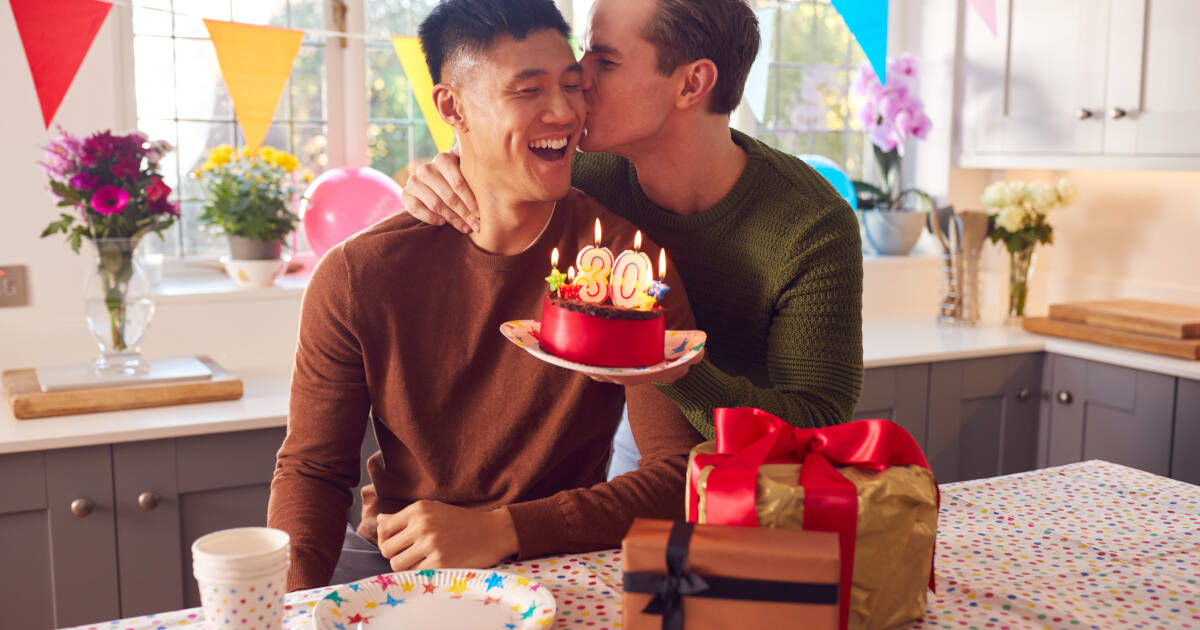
{"x":242,"y":574}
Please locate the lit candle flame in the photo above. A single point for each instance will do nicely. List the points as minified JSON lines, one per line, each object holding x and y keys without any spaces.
{"x":662,"y":264}
{"x":554,"y":258}
{"x":597,"y":232}
{"x":637,"y":240}
{"x":570,"y":273}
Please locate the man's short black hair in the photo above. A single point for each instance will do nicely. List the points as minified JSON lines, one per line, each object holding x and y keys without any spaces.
{"x":455,"y":26}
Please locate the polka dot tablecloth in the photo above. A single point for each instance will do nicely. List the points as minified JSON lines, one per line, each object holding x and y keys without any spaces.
{"x":1085,"y":546}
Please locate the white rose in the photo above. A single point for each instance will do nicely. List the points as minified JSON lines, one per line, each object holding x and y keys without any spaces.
{"x":996,"y":195}
{"x":1044,"y":197}
{"x":1010,"y":218}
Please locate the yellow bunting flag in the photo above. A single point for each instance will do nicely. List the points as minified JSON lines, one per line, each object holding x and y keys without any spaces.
{"x":255,"y":62}
{"x":408,"y":49}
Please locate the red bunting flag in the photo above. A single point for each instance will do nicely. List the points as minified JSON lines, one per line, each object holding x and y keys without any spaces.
{"x":56,"y":36}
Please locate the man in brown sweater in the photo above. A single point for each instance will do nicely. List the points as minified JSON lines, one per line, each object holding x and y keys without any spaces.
{"x":485,"y":452}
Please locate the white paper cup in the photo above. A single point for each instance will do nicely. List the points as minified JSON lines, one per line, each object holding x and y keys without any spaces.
{"x":242,"y":575}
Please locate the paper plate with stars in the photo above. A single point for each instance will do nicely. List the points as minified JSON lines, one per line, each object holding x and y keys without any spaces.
{"x":438,"y":599}
{"x":681,"y":346}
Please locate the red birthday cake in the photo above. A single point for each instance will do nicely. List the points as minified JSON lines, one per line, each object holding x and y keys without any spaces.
{"x":602,"y":334}
{"x":609,"y":316}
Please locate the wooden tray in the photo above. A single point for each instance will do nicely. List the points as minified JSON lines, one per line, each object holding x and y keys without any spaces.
{"x":1161,"y":319}
{"x":1178,"y":348}
{"x":27,"y":399}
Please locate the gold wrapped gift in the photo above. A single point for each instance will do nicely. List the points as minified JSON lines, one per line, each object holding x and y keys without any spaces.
{"x":897,"y":521}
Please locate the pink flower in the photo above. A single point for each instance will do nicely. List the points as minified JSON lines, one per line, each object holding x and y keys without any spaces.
{"x":920,"y":128}
{"x":883,"y":137}
{"x":84,"y":181}
{"x":109,"y":200}
{"x":867,"y":116}
{"x":157,"y":190}
{"x":904,"y":65}
{"x":162,"y":206}
{"x":863,"y":79}
{"x":62,"y":155}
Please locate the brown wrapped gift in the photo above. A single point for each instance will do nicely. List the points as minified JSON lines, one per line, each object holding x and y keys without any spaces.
{"x":728,"y":577}
{"x":897,"y":520}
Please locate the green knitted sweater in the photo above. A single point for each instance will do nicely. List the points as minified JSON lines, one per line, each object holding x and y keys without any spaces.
{"x":774,"y":275}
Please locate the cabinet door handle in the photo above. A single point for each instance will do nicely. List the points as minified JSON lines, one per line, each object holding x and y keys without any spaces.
{"x":1065,"y":397}
{"x":1084,"y":113}
{"x":1118,"y":113}
{"x":82,"y":507}
{"x":1023,"y":394}
{"x":148,"y":500}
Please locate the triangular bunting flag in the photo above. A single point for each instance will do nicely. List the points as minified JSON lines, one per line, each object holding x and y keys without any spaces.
{"x":408,"y":49}
{"x":255,"y":63}
{"x":868,"y":22}
{"x":986,"y":10}
{"x":56,"y":36}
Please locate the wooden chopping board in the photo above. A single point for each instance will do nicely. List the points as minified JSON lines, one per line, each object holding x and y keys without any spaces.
{"x":1178,"y":348}
{"x":27,"y":399}
{"x":1177,"y":321}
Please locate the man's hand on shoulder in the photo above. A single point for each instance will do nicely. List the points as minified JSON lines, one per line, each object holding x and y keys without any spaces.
{"x":436,"y":535}
{"x":667,"y":376}
{"x":437,"y":193}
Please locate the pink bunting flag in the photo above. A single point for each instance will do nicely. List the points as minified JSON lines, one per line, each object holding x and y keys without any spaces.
{"x":986,"y":10}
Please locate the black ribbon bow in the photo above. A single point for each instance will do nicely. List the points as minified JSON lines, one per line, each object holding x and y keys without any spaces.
{"x":668,"y":601}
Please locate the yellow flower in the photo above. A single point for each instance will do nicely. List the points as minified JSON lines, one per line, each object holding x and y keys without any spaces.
{"x":287,"y":162}
{"x":268,"y":153}
{"x":247,"y":152}
{"x":308,"y":177}
{"x":208,"y":166}
{"x":195,"y":173}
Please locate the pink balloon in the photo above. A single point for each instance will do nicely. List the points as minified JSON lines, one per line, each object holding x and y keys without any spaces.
{"x":344,"y":201}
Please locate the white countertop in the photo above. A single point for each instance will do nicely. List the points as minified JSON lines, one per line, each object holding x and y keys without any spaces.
{"x":265,"y":403}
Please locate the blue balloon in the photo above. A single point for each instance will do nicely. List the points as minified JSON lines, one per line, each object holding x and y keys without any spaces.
{"x":836,"y":176}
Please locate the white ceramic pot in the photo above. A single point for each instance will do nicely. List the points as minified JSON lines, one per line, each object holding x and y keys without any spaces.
{"x":254,"y":273}
{"x":893,"y":232}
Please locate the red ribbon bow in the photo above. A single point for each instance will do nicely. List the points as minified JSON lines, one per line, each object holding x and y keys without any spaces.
{"x":748,"y":438}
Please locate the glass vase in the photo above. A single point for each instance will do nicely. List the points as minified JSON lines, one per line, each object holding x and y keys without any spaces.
{"x":119,"y":303}
{"x":1020,"y":264}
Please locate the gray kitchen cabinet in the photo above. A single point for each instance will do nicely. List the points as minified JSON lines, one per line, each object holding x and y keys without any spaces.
{"x":898,"y":394}
{"x":57,"y":538}
{"x":983,"y":416}
{"x":1185,"y":461}
{"x":171,"y":492}
{"x":1109,"y":412}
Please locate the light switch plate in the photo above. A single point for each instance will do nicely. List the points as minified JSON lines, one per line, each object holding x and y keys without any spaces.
{"x":14,"y":286}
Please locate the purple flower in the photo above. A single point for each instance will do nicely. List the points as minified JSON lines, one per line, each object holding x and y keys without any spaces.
{"x":62,"y":155}
{"x":883,"y":137}
{"x":84,"y":181}
{"x":125,"y":168}
{"x":109,"y":200}
{"x":863,"y":79}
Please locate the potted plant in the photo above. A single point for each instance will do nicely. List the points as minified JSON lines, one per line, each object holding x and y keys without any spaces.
{"x":114,"y":185}
{"x":890,"y":115}
{"x":249,"y":194}
{"x":1017,"y":216}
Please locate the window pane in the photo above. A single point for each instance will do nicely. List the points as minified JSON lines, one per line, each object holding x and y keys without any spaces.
{"x":154,"y":76}
{"x":199,"y":239}
{"x":202,"y":96}
{"x":308,"y":144}
{"x":195,"y":140}
{"x":264,"y":12}
{"x":388,"y":92}
{"x":307,"y":84}
{"x":388,"y":148}
{"x":155,"y":19}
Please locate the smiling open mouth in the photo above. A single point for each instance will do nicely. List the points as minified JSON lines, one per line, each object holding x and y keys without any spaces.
{"x":552,"y":149}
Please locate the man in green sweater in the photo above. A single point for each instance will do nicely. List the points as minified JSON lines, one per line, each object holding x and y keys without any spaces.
{"x":768,"y":251}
